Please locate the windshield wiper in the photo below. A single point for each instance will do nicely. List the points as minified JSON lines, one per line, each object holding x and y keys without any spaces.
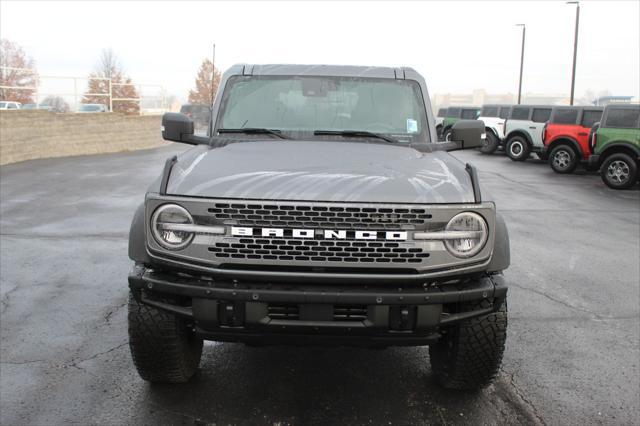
{"x":255,"y":131}
{"x":356,"y":134}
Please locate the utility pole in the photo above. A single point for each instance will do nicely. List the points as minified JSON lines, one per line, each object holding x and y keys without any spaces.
{"x":213,"y":73}
{"x":575,"y":50}
{"x":524,"y":30}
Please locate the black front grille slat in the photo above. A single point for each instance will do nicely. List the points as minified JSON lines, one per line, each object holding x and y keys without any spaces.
{"x":288,"y":312}
{"x":330,"y":216}
{"x":281,"y":311}
{"x":349,"y":313}
{"x":318,"y":251}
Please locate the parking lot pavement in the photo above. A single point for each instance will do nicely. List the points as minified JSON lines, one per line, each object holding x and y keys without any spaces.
{"x":573,"y":339}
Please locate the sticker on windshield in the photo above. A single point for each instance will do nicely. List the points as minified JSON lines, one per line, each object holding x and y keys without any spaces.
{"x":412,"y":126}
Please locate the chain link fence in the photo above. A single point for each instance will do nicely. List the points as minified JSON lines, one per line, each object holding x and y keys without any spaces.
{"x":151,"y":99}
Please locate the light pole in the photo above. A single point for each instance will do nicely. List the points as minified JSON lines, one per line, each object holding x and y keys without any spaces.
{"x":575,"y":50}
{"x":524,"y":30}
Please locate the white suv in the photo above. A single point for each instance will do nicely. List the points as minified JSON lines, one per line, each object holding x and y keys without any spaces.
{"x":493,"y":117}
{"x":9,"y":105}
{"x":523,"y":130}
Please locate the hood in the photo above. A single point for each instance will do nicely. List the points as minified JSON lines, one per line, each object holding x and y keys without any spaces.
{"x":321,"y":171}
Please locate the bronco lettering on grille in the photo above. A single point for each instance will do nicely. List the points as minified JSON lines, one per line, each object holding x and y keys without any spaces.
{"x":328,"y":234}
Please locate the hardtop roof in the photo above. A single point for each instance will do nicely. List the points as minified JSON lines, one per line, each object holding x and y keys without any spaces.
{"x":324,"y":70}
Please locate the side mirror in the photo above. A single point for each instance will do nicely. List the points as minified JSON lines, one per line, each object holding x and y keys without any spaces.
{"x":468,"y":134}
{"x":178,"y":127}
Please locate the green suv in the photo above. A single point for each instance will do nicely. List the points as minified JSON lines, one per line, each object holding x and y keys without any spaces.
{"x":455,"y":114}
{"x":615,"y":145}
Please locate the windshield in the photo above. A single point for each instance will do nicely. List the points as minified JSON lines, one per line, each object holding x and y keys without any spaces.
{"x":294,"y":104}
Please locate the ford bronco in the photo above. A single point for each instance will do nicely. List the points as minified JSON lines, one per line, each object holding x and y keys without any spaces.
{"x":523,"y":130}
{"x":493,"y":117}
{"x":454,"y":114}
{"x":442,"y":113}
{"x":319,"y":210}
{"x":566,"y":136}
{"x":615,"y":145}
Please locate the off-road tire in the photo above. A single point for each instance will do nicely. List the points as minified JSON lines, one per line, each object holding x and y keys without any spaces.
{"x":446,"y":136}
{"x":469,"y":354}
{"x":625,"y":164}
{"x":164,"y":350}
{"x":490,"y":143}
{"x":518,"y":149}
{"x":563,"y":159}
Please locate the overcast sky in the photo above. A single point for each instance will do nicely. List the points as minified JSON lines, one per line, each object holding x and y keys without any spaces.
{"x":457,"y":46}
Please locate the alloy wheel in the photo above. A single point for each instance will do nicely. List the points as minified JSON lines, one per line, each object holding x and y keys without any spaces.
{"x":618,"y":172}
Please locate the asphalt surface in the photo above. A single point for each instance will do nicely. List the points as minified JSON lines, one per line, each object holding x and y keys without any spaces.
{"x":573,"y":340}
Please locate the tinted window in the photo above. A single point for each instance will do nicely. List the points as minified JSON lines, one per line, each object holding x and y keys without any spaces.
{"x":469,"y":114}
{"x":565,"y":116}
{"x":489,"y":112}
{"x":453,"y":112}
{"x":13,"y":106}
{"x":504,"y":112}
{"x":589,"y":118}
{"x":520,"y":113}
{"x":442,"y":112}
{"x":623,"y":117}
{"x":541,"y":115}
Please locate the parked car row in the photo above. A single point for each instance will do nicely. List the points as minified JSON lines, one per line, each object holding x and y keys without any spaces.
{"x":605,"y":139}
{"x":83,"y":108}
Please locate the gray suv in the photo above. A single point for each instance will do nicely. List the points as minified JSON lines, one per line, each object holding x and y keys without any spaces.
{"x":320,"y":209}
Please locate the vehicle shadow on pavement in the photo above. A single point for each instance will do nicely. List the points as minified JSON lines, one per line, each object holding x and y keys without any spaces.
{"x":238,"y":384}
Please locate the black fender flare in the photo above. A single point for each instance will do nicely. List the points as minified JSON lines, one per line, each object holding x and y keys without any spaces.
{"x":519,"y":132}
{"x":501,"y":258}
{"x":620,"y":146}
{"x":137,"y":237}
{"x":562,"y":140}
{"x":488,"y":129}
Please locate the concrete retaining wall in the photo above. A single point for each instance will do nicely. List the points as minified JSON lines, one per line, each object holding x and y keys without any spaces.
{"x":27,"y":135}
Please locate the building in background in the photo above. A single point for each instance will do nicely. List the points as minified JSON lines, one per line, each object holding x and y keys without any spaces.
{"x":480,"y":97}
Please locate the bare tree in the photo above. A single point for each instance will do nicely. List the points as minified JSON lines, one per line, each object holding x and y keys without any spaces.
{"x":56,"y":103}
{"x":202,"y":94}
{"x":16,"y":70}
{"x":108,"y":69}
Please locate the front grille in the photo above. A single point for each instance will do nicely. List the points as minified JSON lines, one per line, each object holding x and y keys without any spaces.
{"x":284,"y":312}
{"x":318,"y":216}
{"x":349,"y":313}
{"x":278,"y":311}
{"x":318,"y":251}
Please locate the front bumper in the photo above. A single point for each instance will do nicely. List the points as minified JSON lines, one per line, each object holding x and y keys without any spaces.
{"x":268,"y":313}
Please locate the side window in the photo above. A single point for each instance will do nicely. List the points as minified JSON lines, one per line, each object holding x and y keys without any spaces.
{"x":13,"y":106}
{"x":565,"y":116}
{"x":469,"y":114}
{"x":453,"y":112}
{"x":589,"y":118}
{"x":623,"y":117}
{"x":541,"y":115}
{"x":489,"y":111}
{"x":442,"y":112}
{"x":504,"y":112}
{"x":520,"y":113}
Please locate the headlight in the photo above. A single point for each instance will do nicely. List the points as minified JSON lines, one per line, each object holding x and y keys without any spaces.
{"x":475,"y":232}
{"x":167,"y":224}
